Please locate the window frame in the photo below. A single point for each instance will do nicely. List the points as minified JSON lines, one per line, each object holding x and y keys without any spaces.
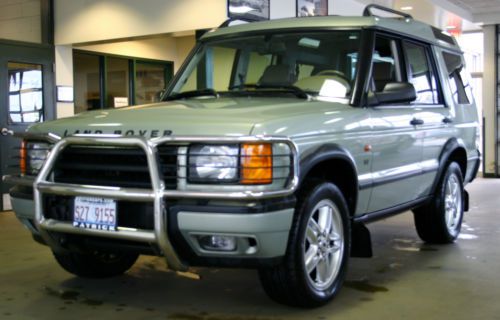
{"x":132,"y":62}
{"x":431,"y":63}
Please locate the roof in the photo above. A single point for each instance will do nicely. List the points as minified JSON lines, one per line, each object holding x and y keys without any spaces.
{"x":411,"y":27}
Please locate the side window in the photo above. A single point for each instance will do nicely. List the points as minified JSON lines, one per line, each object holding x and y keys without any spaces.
{"x":385,"y":64}
{"x":420,"y":73}
{"x":458,"y":78}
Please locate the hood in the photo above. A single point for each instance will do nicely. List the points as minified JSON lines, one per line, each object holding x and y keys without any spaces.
{"x":223,"y":116}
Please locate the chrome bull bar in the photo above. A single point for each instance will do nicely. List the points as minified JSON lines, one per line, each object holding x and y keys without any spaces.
{"x":159,"y":236}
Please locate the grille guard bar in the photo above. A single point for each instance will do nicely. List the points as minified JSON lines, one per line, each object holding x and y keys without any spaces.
{"x":42,"y":185}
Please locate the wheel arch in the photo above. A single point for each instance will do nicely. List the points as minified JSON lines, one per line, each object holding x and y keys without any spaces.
{"x":453,"y":151}
{"x":332,"y":163}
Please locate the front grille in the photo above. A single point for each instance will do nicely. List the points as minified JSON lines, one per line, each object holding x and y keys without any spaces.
{"x":139,"y":215}
{"x":124,"y":167}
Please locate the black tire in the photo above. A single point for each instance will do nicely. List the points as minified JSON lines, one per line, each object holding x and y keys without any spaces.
{"x":440,"y":222}
{"x":96,"y":264}
{"x":289,"y":282}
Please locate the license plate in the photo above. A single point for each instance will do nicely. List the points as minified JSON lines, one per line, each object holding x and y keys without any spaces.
{"x":95,"y":213}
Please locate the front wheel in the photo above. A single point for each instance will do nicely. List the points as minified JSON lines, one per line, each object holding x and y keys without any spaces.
{"x":315,"y":264}
{"x":441,"y":220}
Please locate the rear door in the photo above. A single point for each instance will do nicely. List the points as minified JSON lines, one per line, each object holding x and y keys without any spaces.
{"x":26,"y":97}
{"x":436,"y":119}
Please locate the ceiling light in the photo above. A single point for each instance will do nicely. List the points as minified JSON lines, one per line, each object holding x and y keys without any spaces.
{"x":407,"y":8}
{"x":450,"y":27}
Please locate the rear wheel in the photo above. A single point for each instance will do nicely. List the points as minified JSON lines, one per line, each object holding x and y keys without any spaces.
{"x":96,"y":264}
{"x":440,"y":221}
{"x":315,"y":264}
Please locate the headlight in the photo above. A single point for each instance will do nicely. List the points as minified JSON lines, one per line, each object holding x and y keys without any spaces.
{"x":33,"y":156}
{"x":213,"y":163}
{"x":249,"y":163}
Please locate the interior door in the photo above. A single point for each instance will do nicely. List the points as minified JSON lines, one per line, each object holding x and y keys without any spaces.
{"x":26,"y":97}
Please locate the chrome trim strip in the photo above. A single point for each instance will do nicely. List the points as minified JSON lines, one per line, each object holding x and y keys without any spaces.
{"x":42,"y":184}
{"x":124,"y":234}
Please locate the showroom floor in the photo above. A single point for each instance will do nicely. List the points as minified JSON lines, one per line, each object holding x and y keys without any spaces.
{"x":405,"y":280}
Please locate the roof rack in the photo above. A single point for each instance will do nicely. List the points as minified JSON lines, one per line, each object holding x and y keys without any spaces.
{"x":368,"y":11}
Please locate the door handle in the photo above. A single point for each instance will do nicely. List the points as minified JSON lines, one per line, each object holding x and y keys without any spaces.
{"x":416,"y":122}
{"x":6,"y":132}
{"x":447,"y":120}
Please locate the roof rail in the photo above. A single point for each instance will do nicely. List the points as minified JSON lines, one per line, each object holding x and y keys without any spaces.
{"x":368,"y":11}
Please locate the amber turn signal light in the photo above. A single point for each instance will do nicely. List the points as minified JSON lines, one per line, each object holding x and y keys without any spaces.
{"x":22,"y":157}
{"x":256,"y":163}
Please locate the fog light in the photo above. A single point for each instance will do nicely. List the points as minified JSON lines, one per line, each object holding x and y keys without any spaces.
{"x":217,"y":243}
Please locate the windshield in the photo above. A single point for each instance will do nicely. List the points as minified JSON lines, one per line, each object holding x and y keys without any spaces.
{"x":316,"y":64}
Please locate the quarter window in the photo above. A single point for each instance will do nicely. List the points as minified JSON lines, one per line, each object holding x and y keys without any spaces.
{"x":420,"y":73}
{"x":461,"y":89}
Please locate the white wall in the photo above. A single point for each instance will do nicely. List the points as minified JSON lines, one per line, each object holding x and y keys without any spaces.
{"x":64,"y":77}
{"x":20,"y":20}
{"x":489,"y":99}
{"x":98,"y":20}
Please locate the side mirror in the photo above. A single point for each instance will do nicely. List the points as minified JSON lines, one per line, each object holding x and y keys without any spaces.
{"x":394,"y":92}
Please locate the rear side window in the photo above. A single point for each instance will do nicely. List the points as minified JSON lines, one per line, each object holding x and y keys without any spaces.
{"x":420,"y":73}
{"x":458,"y":78}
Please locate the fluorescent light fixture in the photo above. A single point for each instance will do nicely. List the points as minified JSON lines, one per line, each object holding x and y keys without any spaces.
{"x":407,"y":8}
{"x":450,"y":27}
{"x":242,"y":9}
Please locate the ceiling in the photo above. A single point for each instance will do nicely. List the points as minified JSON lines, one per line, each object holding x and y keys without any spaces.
{"x":478,"y":11}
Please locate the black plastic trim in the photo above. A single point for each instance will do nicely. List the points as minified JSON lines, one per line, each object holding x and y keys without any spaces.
{"x":395,"y":178}
{"x":449,"y":147}
{"x":475,"y":169}
{"x":328,"y":152}
{"x":21,"y":192}
{"x":385,"y":213}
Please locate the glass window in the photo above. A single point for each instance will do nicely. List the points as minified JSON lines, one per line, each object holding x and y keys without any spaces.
{"x":86,"y":82}
{"x":21,"y":20}
{"x":420,"y":73}
{"x":25,"y":92}
{"x":117,"y":82}
{"x":151,"y":79}
{"x":321,"y":64}
{"x":385,"y":64}
{"x":458,"y":78}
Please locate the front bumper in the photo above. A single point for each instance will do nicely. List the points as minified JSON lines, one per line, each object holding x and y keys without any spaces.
{"x":268,"y":229}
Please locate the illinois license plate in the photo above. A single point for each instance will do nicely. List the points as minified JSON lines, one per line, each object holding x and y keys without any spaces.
{"x":95,"y":213}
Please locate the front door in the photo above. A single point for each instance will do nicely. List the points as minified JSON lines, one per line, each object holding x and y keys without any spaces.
{"x":26,"y":97}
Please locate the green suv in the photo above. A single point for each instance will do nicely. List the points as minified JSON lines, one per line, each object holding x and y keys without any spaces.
{"x":272,"y":148}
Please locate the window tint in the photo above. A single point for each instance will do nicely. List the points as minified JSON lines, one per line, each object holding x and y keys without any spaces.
{"x":385,"y":64}
{"x":458,"y":78}
{"x":420,"y":73}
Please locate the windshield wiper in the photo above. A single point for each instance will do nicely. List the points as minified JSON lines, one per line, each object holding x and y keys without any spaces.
{"x":193,"y":94}
{"x":287,"y":88}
